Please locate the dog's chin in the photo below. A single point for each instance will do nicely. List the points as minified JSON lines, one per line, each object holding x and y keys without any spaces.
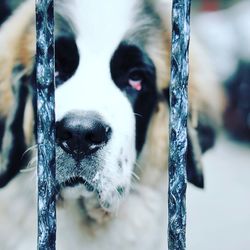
{"x":96,"y":201}
{"x":87,"y":198}
{"x":76,"y":187}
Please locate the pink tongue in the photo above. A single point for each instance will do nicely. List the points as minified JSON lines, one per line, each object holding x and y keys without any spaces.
{"x":136,"y":85}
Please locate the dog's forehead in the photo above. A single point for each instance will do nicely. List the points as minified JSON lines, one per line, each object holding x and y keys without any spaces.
{"x":101,"y":25}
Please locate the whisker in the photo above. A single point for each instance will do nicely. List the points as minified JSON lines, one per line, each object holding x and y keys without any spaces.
{"x":30,"y":166}
{"x":138,"y":167}
{"x":28,"y":150}
{"x":135,"y":176}
{"x":136,"y":114}
{"x":27,"y":170}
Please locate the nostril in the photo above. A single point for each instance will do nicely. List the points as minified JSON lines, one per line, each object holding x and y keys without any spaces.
{"x":94,"y":138}
{"x":62,"y":132}
{"x":108,"y":132}
{"x":66,"y":135}
{"x":99,"y":134}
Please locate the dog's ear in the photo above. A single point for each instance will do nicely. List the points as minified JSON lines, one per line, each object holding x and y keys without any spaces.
{"x":17,"y":43}
{"x":201,"y":137}
{"x":12,"y":143}
{"x":194,"y":163}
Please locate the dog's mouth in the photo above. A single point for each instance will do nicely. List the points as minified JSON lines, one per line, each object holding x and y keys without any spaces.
{"x":75,"y":181}
{"x":89,"y":192}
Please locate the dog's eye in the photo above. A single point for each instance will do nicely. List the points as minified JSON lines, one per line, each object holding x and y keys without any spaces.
{"x":67,"y":58}
{"x":135,"y":80}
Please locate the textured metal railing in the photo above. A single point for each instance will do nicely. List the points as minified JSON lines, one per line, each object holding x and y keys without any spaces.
{"x":178,"y":124}
{"x":46,"y":124}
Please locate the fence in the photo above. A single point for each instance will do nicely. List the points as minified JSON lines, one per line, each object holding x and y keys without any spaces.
{"x":46,"y":124}
{"x":45,"y":62}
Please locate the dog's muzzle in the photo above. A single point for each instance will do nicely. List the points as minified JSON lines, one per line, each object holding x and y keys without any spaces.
{"x":94,"y":158}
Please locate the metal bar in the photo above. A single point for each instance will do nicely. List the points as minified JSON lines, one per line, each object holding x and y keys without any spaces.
{"x":178,"y":124}
{"x":45,"y":124}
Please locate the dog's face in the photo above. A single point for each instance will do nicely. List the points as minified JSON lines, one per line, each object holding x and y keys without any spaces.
{"x":106,"y":93}
{"x":112,"y":69}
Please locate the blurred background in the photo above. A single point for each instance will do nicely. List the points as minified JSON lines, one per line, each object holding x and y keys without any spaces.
{"x":211,"y":5}
{"x":219,"y":215}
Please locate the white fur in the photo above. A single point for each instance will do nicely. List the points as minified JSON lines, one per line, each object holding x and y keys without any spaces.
{"x":99,"y":32}
{"x":140,"y":224}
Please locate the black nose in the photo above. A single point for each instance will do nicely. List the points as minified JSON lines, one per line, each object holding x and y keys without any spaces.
{"x":82,"y":133}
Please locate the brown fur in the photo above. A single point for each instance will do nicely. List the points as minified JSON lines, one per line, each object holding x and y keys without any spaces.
{"x":17,"y":47}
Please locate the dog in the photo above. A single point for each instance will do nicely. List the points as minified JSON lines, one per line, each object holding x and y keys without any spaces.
{"x":112,"y":85}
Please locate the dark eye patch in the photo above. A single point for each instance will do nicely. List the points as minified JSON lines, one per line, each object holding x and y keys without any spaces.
{"x":129,"y":61}
{"x":131,"y":66}
{"x":67,"y":58}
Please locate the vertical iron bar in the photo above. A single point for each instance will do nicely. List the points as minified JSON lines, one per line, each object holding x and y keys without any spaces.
{"x":178,"y":124}
{"x":45,"y":124}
